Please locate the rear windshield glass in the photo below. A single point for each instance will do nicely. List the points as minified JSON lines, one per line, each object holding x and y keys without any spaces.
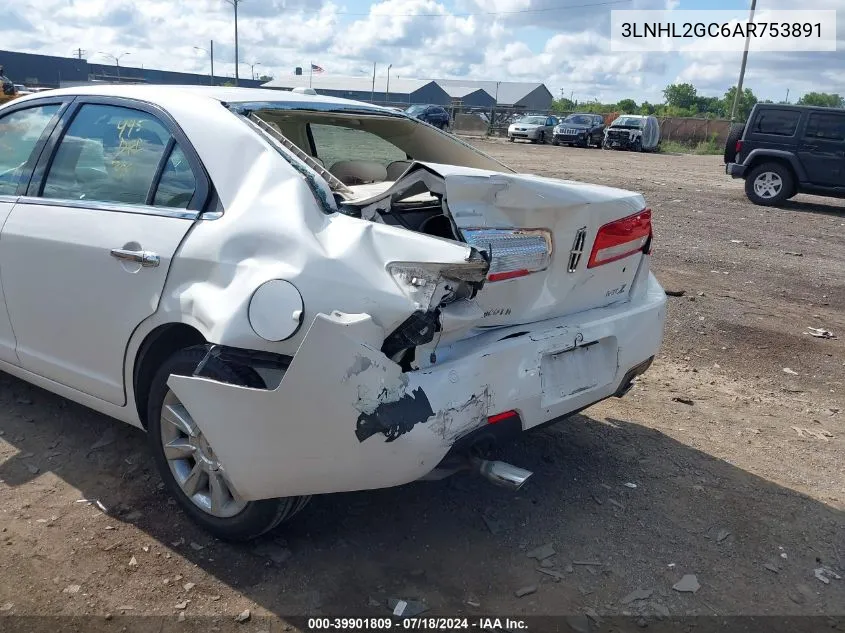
{"x":626,"y":121}
{"x":776,"y":122}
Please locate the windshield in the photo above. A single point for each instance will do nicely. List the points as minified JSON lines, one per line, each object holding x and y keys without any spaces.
{"x":415,"y":109}
{"x":579,"y":119}
{"x":533,"y":120}
{"x":627,"y":121}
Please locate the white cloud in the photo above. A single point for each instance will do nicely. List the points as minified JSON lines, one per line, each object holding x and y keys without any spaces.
{"x":569,"y":50}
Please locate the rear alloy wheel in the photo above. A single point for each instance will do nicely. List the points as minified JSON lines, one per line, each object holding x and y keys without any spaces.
{"x":769,"y":184}
{"x":189,"y":465}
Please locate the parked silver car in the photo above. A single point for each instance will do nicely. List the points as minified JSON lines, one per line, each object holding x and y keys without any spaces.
{"x":537,"y":129}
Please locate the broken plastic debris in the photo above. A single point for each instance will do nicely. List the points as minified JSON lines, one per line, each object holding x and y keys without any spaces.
{"x":629,"y":484}
{"x":789,"y":371}
{"x":825,"y":574}
{"x":820,"y":332}
{"x":687,"y":584}
{"x":406,"y":608}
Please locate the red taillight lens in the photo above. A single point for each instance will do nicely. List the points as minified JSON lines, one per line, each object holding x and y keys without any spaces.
{"x":738,"y":147}
{"x":511,"y":274}
{"x":501,"y":417}
{"x":621,"y":238}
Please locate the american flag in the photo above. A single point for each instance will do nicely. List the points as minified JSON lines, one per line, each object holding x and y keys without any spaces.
{"x":316,"y":69}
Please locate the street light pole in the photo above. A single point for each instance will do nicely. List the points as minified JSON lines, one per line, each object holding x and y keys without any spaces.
{"x":235,"y":4}
{"x":387,"y":90}
{"x":373,"y":93}
{"x":744,"y":62}
{"x":252,"y":69}
{"x":116,"y":59}
{"x":210,"y":52}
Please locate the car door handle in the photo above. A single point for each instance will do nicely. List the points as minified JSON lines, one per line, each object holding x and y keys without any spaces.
{"x":147,"y":259}
{"x":811,"y":147}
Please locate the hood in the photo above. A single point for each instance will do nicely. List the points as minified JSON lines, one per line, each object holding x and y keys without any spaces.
{"x":574,"y":126}
{"x":528,"y":126}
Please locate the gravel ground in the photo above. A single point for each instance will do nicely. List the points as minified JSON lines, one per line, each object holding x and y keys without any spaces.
{"x":719,"y":463}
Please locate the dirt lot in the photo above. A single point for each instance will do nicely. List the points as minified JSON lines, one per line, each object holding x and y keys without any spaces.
{"x":741,"y":482}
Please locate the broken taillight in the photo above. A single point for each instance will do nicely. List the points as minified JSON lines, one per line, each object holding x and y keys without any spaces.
{"x":513,"y":252}
{"x":622,"y":238}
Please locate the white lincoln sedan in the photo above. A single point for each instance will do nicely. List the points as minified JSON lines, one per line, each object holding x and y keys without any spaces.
{"x":296,"y":295}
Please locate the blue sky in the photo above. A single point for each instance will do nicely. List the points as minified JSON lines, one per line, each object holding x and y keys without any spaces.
{"x":568,"y":49}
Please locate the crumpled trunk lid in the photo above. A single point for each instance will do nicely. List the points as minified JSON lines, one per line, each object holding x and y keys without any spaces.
{"x":572,"y":211}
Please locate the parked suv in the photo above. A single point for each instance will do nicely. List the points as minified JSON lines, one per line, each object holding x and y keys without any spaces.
{"x":784,"y":150}
{"x":432,"y":114}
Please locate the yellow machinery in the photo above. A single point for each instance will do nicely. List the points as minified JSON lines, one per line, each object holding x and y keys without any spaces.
{"x":7,"y":89}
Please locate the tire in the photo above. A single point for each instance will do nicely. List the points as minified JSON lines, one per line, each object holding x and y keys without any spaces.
{"x":638,"y":145}
{"x":511,"y":139}
{"x":769,"y":184}
{"x":588,"y":141}
{"x":542,"y":138}
{"x":555,"y":142}
{"x":235,"y":520}
{"x":734,"y":134}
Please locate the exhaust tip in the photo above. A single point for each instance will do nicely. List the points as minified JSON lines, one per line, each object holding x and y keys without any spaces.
{"x":503,"y":474}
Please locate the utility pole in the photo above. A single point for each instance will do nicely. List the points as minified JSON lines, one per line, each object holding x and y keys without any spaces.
{"x":787,"y":95}
{"x":373,"y":93}
{"x":744,"y":62}
{"x":387,"y":90}
{"x":235,"y":4}
{"x":79,"y":53}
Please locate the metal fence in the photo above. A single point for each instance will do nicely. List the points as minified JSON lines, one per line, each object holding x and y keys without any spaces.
{"x":495,"y":121}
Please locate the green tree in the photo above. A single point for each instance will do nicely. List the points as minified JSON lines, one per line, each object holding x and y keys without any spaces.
{"x":681,"y":96}
{"x":563,"y":105}
{"x":823,"y":99}
{"x":628,"y":106}
{"x":647,"y":108}
{"x":265,"y":78}
{"x":743,"y":108}
{"x":711,"y":106}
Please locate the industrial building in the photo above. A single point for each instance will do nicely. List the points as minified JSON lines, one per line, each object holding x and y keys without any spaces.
{"x":49,"y":71}
{"x":401,"y":91}
{"x":54,"y":72}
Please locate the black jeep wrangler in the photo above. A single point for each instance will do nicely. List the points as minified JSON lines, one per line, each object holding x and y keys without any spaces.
{"x":785,"y":149}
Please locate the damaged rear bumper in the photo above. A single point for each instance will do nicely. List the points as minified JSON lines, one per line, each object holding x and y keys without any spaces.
{"x":345,"y":417}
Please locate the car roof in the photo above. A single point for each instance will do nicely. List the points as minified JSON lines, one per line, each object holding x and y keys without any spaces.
{"x":160,"y":94}
{"x":794,"y":106}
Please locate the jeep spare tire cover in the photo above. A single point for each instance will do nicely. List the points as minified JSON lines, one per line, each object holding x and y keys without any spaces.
{"x":734,"y":134}
{"x":651,"y":133}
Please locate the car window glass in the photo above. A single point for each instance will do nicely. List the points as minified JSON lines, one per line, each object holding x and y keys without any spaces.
{"x":826,"y":126}
{"x":177,"y":184}
{"x":336,"y":143}
{"x":19,"y":133}
{"x":108,"y":154}
{"x":776,"y":122}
